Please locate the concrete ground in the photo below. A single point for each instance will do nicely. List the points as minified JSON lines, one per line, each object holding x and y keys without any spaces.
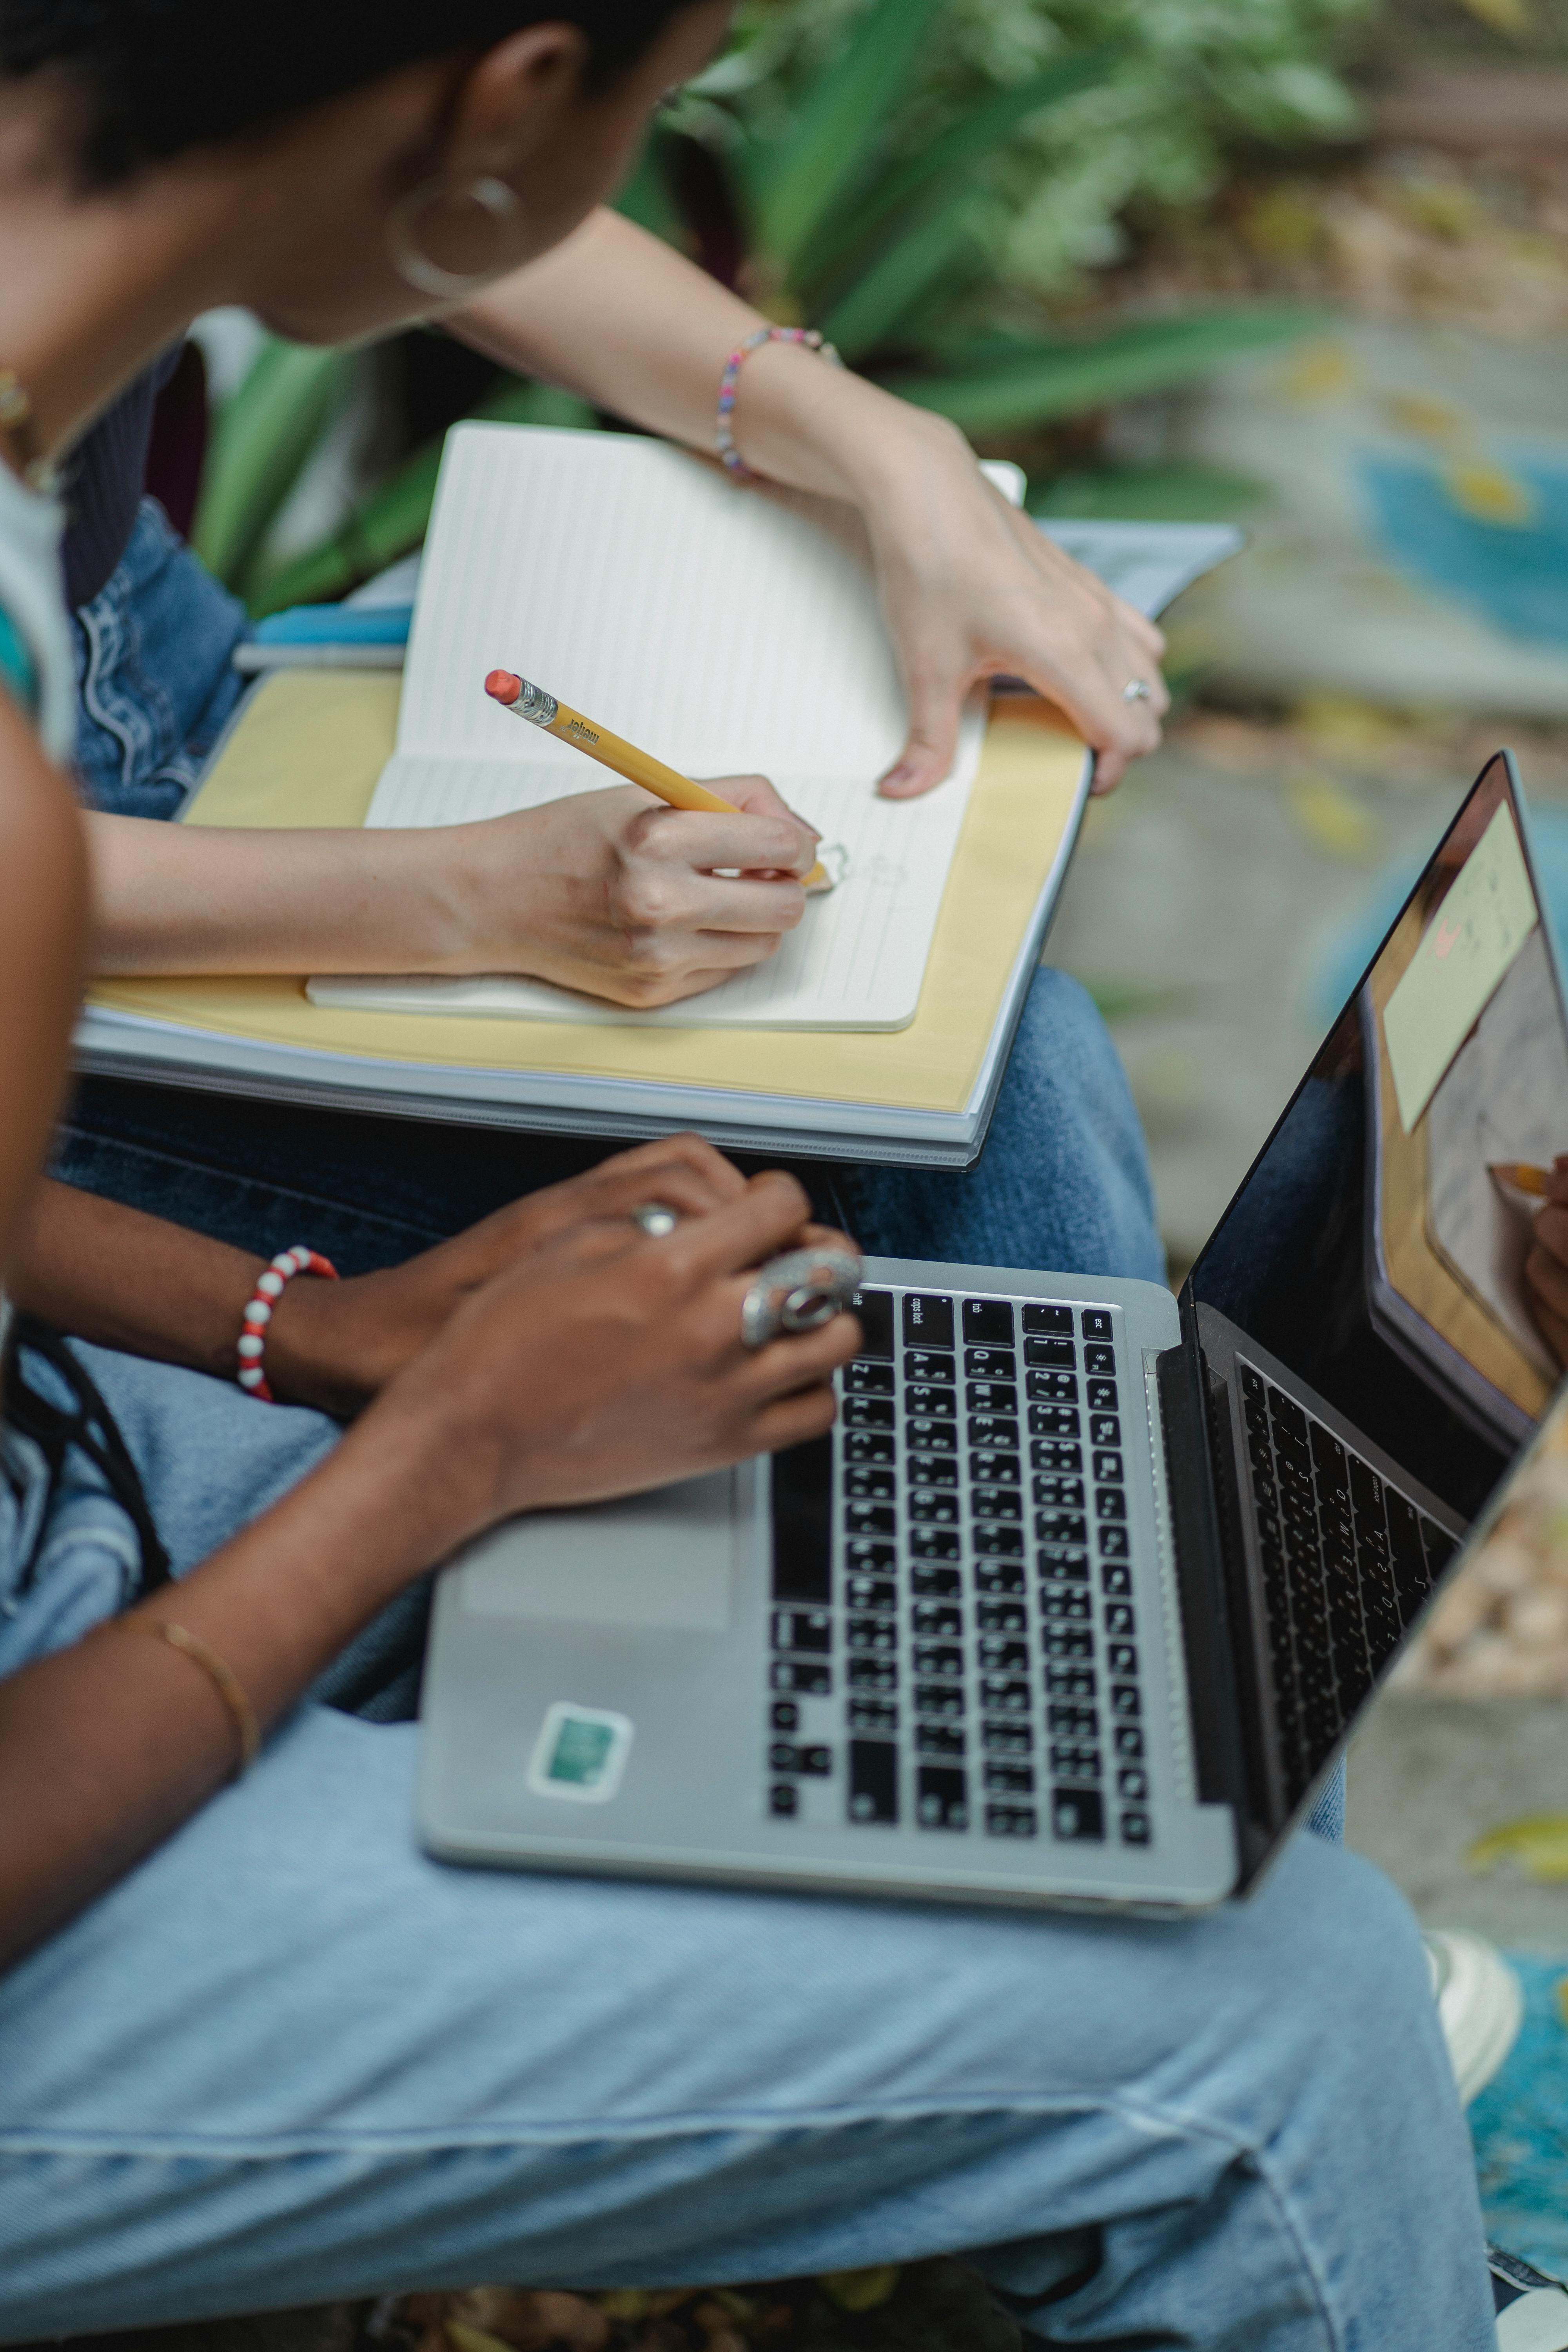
{"x":1428,"y":1776}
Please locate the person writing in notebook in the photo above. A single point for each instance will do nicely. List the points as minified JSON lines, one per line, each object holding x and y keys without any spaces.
{"x":600,"y":892}
{"x":255,"y":2046}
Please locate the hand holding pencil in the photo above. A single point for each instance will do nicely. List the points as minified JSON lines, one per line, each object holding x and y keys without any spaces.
{"x":525,"y":700}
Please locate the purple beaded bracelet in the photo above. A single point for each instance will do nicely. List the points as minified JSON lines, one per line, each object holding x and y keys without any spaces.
{"x":723,"y":432}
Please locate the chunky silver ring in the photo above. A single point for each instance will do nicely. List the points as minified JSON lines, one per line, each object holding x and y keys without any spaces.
{"x":655,"y":1218}
{"x":798,"y":1292}
{"x":1136,"y":690}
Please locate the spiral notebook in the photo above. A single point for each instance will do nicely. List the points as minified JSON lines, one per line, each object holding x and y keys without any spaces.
{"x":727,"y":632}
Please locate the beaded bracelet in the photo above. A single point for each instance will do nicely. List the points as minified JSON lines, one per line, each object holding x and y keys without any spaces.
{"x":723,"y":433}
{"x":270,"y":1287}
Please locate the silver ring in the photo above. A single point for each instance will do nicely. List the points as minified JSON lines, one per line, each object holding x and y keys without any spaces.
{"x":1136,"y":690}
{"x":655,"y":1218}
{"x":798,"y":1292}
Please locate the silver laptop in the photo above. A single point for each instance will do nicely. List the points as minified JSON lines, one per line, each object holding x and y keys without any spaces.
{"x":1080,"y":1597}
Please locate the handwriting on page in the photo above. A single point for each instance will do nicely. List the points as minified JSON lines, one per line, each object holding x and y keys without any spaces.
{"x":1480,"y":927}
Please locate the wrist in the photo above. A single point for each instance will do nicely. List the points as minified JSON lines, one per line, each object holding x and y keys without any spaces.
{"x":317,"y":1350}
{"x":825,"y":429}
{"x":480,"y":904}
{"x":450,"y":1463}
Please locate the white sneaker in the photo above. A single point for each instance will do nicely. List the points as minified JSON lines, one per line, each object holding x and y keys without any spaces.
{"x":1480,"y":2005}
{"x":1532,"y":2309}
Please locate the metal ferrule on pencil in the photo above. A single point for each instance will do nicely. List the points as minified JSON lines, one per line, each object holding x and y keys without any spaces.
{"x":534,"y":705}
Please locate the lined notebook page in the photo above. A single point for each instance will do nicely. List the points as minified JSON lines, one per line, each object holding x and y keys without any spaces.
{"x":725,"y":631}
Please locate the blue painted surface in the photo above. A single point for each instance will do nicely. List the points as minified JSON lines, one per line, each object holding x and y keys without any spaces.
{"x":1520,"y":2125}
{"x":1514,"y":575}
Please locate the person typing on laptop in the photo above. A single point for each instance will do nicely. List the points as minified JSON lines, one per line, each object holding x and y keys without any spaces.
{"x":1213,"y":2131}
{"x":373,"y":2071}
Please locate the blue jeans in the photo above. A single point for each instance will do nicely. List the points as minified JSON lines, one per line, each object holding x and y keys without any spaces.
{"x":1063,"y":1181}
{"x":289,"y":2058}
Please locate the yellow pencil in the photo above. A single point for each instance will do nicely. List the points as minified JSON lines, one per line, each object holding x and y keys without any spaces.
{"x":1522,"y":1175}
{"x":558,"y":718}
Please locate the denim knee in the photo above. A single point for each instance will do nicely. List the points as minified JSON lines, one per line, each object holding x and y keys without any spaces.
{"x":1365,"y":1999}
{"x":1063,"y":1182}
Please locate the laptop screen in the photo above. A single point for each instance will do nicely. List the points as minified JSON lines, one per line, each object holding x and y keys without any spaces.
{"x":1376,"y":1251}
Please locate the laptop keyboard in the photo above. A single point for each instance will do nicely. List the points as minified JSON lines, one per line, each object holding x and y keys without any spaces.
{"x":1348,"y":1560}
{"x":952,"y":1572}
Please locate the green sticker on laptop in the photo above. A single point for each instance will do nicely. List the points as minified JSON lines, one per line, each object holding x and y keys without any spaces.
{"x":581,"y":1753}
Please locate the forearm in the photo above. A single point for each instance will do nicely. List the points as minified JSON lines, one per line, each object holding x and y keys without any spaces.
{"x":102,"y":1272}
{"x":99,"y":1270}
{"x":105,"y":1747}
{"x":173,"y":899}
{"x":617,"y":316}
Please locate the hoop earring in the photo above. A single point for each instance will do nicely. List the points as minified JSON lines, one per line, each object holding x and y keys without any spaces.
{"x":414,"y":265}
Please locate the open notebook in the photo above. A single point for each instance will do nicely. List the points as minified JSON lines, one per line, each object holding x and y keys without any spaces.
{"x":725,"y":631}
{"x":307,"y":748}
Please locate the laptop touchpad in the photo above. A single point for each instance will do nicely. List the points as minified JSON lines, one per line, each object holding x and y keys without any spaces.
{"x":664,"y":1559}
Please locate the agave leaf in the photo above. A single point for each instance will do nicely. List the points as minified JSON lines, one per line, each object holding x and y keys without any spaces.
{"x":875,"y":303}
{"x":833,"y":133}
{"x":263,"y":435}
{"x":1023,"y":385}
{"x":395,"y":519}
{"x":949,"y":160}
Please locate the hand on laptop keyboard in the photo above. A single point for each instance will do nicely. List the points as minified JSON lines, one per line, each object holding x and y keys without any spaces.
{"x":610,"y":1362}
{"x":336,"y":1345}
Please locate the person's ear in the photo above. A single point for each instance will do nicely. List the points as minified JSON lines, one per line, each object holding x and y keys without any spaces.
{"x":511,"y":102}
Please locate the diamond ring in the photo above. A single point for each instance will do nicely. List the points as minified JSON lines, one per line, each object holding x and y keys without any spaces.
{"x":1135,"y":690}
{"x":656,"y":1219}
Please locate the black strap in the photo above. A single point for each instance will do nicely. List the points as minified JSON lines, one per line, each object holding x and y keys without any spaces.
{"x":92,"y":1430}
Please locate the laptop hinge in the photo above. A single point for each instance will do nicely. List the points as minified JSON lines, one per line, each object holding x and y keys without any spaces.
{"x":1217,"y":1739}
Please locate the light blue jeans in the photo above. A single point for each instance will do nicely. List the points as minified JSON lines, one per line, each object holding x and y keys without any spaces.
{"x":288,"y":2057}
{"x":291,"y":2058}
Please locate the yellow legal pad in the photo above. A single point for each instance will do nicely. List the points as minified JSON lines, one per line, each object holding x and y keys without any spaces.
{"x":308,"y":752}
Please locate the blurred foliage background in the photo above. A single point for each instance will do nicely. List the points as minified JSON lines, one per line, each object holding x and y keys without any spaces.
{"x":941,"y":186}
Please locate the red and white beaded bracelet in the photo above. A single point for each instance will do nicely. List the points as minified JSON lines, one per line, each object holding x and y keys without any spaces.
{"x":270,"y":1287}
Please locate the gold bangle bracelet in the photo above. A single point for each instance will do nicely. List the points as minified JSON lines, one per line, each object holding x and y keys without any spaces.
{"x":221,"y":1675}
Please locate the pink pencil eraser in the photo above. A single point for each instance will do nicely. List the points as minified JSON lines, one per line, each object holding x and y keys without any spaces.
{"x":502,"y":686}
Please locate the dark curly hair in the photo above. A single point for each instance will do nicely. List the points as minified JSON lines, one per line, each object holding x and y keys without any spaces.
{"x":158,"y":76}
